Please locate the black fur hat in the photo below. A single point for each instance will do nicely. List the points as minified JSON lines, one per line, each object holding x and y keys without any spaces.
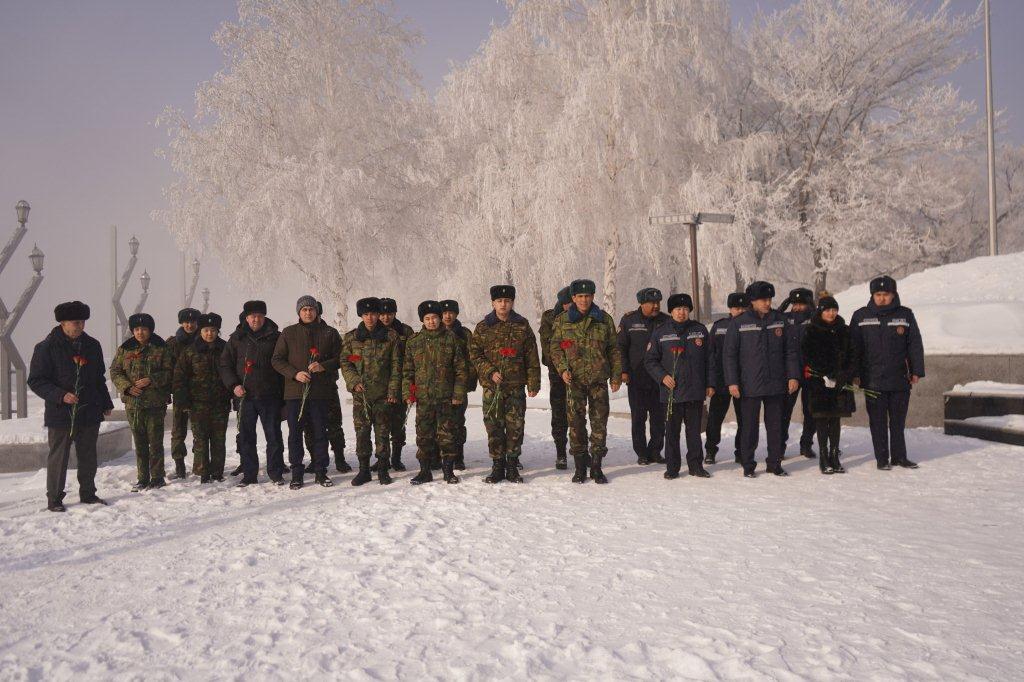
{"x":503,"y":291}
{"x":210,"y":320}
{"x":676,"y":300}
{"x":737,"y":300}
{"x":827,"y":302}
{"x":389,"y":306}
{"x":648,"y":295}
{"x":141,"y":320}
{"x":582,"y":286}
{"x":428,"y":308}
{"x":883,"y":283}
{"x":367,"y":305}
{"x":71,"y":310}
{"x":449,"y":305}
{"x":251,"y":307}
{"x":758,"y":290}
{"x":564,"y":297}
{"x":188,"y":315}
{"x":801,"y":295}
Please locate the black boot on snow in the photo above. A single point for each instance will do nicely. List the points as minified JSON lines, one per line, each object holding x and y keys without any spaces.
{"x":595,"y":471}
{"x":237,"y":471}
{"x":447,"y":467}
{"x":364,"y":475}
{"x":340,"y":464}
{"x":580,"y":475}
{"x":383,"y":476}
{"x":512,"y":474}
{"x":424,"y":476}
{"x":179,"y":470}
{"x":396,"y":460}
{"x":497,"y":472}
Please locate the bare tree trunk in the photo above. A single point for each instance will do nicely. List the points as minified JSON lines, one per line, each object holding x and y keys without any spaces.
{"x":820,"y":273}
{"x":673,"y":273}
{"x":706,"y":301}
{"x":740,"y":282}
{"x":538,"y":302}
{"x":611,"y":270}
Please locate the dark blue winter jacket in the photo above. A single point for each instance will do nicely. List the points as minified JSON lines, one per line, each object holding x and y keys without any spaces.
{"x":52,"y":374}
{"x":716,"y":341}
{"x":634,"y":332}
{"x":887,"y":346}
{"x":692,"y":366}
{"x":760,"y":355}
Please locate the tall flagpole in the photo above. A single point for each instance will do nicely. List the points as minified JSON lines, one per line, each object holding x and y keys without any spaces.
{"x":993,"y":244}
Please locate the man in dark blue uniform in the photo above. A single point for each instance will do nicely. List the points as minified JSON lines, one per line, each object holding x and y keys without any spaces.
{"x":801,"y":310}
{"x":634,"y":332}
{"x":761,"y":367}
{"x":888,"y":359}
{"x":719,"y":403}
{"x":677,"y":359}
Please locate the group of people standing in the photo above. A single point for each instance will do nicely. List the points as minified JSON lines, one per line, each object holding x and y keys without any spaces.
{"x":757,"y":359}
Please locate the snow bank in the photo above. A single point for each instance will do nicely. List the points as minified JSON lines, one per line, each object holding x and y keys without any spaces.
{"x":1014,"y":422}
{"x":992,"y":387}
{"x":963,"y":308}
{"x":30,"y":430}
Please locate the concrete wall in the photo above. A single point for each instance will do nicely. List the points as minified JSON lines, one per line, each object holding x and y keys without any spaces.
{"x":32,"y":456}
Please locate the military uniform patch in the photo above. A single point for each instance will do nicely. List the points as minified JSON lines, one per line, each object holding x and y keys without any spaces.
{"x":778,"y":331}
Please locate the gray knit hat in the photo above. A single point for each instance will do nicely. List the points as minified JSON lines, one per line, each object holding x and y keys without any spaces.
{"x":305,"y":301}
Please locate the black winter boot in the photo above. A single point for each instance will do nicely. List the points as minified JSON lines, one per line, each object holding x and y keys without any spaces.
{"x":497,"y":472}
{"x":595,"y":471}
{"x":447,"y":466}
{"x":460,"y":459}
{"x":340,"y":464}
{"x":561,"y":461}
{"x":396,"y":460}
{"x":364,"y":475}
{"x":237,"y":471}
{"x":179,"y":470}
{"x":424,"y":476}
{"x":512,"y":474}
{"x":580,"y":475}
{"x":834,"y":455}
{"x":383,"y":476}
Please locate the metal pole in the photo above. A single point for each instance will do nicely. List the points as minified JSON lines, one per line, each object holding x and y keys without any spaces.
{"x":993,"y":245}
{"x":114,"y":338}
{"x":694,"y":286}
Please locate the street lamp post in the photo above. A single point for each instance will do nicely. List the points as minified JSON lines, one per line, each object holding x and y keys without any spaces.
{"x":206,"y":300}
{"x":195,"y":280}
{"x":121,"y":320}
{"x":692,"y":220}
{"x":144,"y":280}
{"x":11,"y":362}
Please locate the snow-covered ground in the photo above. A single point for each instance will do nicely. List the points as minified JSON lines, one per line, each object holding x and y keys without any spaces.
{"x":989,"y":388}
{"x":976,"y":306}
{"x":871,"y":575}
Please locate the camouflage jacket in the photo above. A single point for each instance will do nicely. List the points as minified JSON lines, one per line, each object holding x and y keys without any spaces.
{"x":508,"y":347}
{"x":371,"y":358}
{"x":197,"y":381}
{"x":586,"y":345}
{"x":463,"y":334}
{"x":434,"y":368}
{"x":180,"y":341}
{"x":133,"y":362}
{"x":547,"y":322}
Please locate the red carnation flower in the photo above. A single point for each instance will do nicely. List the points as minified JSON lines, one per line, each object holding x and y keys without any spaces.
{"x":412,"y":392}
{"x":566,"y":344}
{"x":79,"y":360}
{"x":354,"y":358}
{"x":313,"y":352}
{"x":507,"y":352}
{"x":678,"y":349}
{"x":249,"y":364}
{"x":807,"y":371}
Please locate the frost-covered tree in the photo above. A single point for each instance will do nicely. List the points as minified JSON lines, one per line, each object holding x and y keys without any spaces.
{"x":305,"y":152}
{"x":856,"y":95}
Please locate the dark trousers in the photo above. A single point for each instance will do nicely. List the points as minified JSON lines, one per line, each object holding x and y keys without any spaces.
{"x":807,"y":432}
{"x":314,"y":417}
{"x":718,"y":406}
{"x":559,"y":413}
{"x":268,"y":412}
{"x":887,"y":416}
{"x":60,"y":441}
{"x":645,"y":402}
{"x":750,"y":422}
{"x":688,"y":413}
{"x":829,"y":429}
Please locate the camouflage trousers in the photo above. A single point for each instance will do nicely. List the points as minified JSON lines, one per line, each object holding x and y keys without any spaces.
{"x":460,"y":426}
{"x":335,"y":431}
{"x":396,"y":425}
{"x":209,"y":425}
{"x":436,"y":429}
{"x":584,"y":401}
{"x":379,"y":421}
{"x":559,"y":415}
{"x":505,"y":421}
{"x":179,"y":429}
{"x":147,"y":427}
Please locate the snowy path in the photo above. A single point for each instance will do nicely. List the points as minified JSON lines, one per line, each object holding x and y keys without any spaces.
{"x":871,"y":575}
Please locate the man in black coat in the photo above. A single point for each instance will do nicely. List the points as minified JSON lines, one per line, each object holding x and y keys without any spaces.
{"x":888,"y":359}
{"x":677,"y":358}
{"x":718,"y":406}
{"x":246,"y":369}
{"x":801,"y":308}
{"x":68,"y":373}
{"x":634,"y":333}
{"x":761,"y":368}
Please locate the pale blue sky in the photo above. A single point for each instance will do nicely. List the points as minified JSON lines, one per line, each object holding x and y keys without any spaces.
{"x":81,"y":82}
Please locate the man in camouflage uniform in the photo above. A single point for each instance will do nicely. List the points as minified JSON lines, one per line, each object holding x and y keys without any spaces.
{"x":450,"y":319}
{"x":503,"y":349}
{"x":188,"y":319}
{"x":397,"y":414}
{"x":556,"y":387}
{"x":372,"y":372}
{"x":141,"y":371}
{"x":434,"y":378}
{"x":585,"y":352}
{"x":199,"y":391}
{"x":335,"y":427}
